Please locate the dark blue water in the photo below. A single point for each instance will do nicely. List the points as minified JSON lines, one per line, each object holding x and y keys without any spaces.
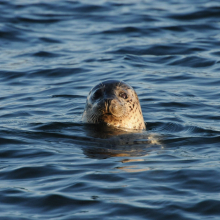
{"x":52,"y":166}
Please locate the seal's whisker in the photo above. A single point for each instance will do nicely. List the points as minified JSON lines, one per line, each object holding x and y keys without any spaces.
{"x":94,"y":118}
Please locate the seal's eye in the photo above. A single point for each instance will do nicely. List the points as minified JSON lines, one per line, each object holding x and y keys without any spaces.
{"x":97,"y":94}
{"x":123,"y":95}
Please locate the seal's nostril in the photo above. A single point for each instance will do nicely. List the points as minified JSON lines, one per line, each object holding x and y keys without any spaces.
{"x":109,"y":101}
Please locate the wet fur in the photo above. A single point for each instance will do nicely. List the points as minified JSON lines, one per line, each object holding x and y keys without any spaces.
{"x":120,"y":113}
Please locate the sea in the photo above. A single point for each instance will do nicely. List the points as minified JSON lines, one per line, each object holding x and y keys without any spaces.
{"x":53,"y":166}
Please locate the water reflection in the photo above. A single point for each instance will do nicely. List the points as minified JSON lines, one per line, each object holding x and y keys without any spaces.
{"x":133,"y":168}
{"x":111,"y":142}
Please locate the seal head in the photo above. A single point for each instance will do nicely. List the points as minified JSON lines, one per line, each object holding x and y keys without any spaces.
{"x":114,"y":103}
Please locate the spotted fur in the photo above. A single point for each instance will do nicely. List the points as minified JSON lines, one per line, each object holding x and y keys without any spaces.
{"x":114,"y":103}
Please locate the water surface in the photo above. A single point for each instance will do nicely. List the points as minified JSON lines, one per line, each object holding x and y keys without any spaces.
{"x":55,"y":167}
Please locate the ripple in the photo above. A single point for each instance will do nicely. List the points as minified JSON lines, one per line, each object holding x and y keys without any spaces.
{"x":46,"y":54}
{"x":53,"y":166}
{"x":57,"y":72}
{"x":194,"y":61}
{"x":208,"y":12}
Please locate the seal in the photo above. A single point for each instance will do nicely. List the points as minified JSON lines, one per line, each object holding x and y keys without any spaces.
{"x":114,"y":103}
